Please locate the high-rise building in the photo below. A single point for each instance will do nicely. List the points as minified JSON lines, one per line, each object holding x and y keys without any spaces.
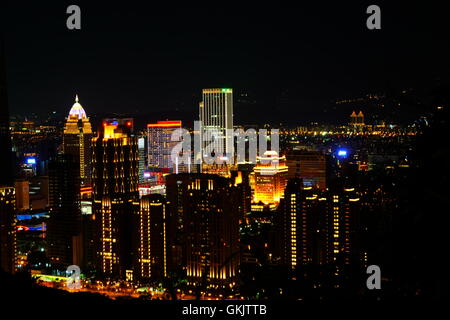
{"x":22,"y":194}
{"x":304,"y":219}
{"x":153,"y":233}
{"x":77,"y":141}
{"x":116,"y":197}
{"x":310,"y":166}
{"x":64,"y":226}
{"x":142,"y":158}
{"x":125,"y":125}
{"x":160,"y":145}
{"x":39,"y":192}
{"x":344,"y":225}
{"x":216,"y":117}
{"x":7,"y":229}
{"x":269,"y":178}
{"x":242,"y":182}
{"x":204,"y":211}
{"x":318,"y":227}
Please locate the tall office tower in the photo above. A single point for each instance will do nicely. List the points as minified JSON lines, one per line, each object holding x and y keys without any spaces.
{"x":153,"y":233}
{"x":344,"y":225}
{"x":39,"y":192}
{"x":269,"y":178}
{"x":116,"y":197}
{"x":303,"y":215}
{"x":204,"y":210}
{"x":160,"y":145}
{"x":7,"y":191}
{"x":77,"y":141}
{"x":22,"y":194}
{"x":216,"y":117}
{"x":310,"y":166}
{"x":142,"y":158}
{"x":318,"y":227}
{"x":242,"y":183}
{"x":64,"y":226}
{"x":7,"y":229}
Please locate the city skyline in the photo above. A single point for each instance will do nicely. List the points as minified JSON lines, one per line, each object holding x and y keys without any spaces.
{"x":265,"y":155}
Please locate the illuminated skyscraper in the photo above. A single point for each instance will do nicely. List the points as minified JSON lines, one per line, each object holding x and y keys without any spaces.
{"x":142,"y":156}
{"x":77,"y":141}
{"x":344,"y":223}
{"x":303,"y":211}
{"x":204,"y":211}
{"x":319,"y":227}
{"x":270,"y":175}
{"x":153,"y":233}
{"x":116,"y":197}
{"x":160,"y":145}
{"x":216,"y":116}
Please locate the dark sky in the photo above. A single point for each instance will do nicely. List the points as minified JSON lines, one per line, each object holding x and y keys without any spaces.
{"x":151,"y":59}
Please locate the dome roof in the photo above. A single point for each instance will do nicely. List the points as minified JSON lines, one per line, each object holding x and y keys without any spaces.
{"x":77,"y":110}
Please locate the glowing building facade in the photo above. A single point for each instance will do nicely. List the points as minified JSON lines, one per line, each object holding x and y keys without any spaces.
{"x":216,"y":117}
{"x":153,"y":233}
{"x":269,"y":178}
{"x":160,"y":145}
{"x":319,"y":227}
{"x":116,"y":197}
{"x":204,"y":209}
{"x":77,"y":141}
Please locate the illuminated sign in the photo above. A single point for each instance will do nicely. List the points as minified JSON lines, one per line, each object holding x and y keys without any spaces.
{"x":31,"y":160}
{"x":86,"y":207}
{"x":342,"y":153}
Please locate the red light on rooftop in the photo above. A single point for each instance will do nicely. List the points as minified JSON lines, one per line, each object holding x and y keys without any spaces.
{"x":163,"y":124}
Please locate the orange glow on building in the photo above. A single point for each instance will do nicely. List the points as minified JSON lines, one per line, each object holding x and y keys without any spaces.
{"x":269,"y":178}
{"x":165,"y":124}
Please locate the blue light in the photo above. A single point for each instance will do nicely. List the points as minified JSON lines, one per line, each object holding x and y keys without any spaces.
{"x":22,"y":217}
{"x":31,"y":160}
{"x":342,"y":153}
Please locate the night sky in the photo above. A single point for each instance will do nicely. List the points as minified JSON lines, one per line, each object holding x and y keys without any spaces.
{"x":155,"y":60}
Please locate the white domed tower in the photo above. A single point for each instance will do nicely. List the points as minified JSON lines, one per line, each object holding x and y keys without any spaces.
{"x":77,"y":141}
